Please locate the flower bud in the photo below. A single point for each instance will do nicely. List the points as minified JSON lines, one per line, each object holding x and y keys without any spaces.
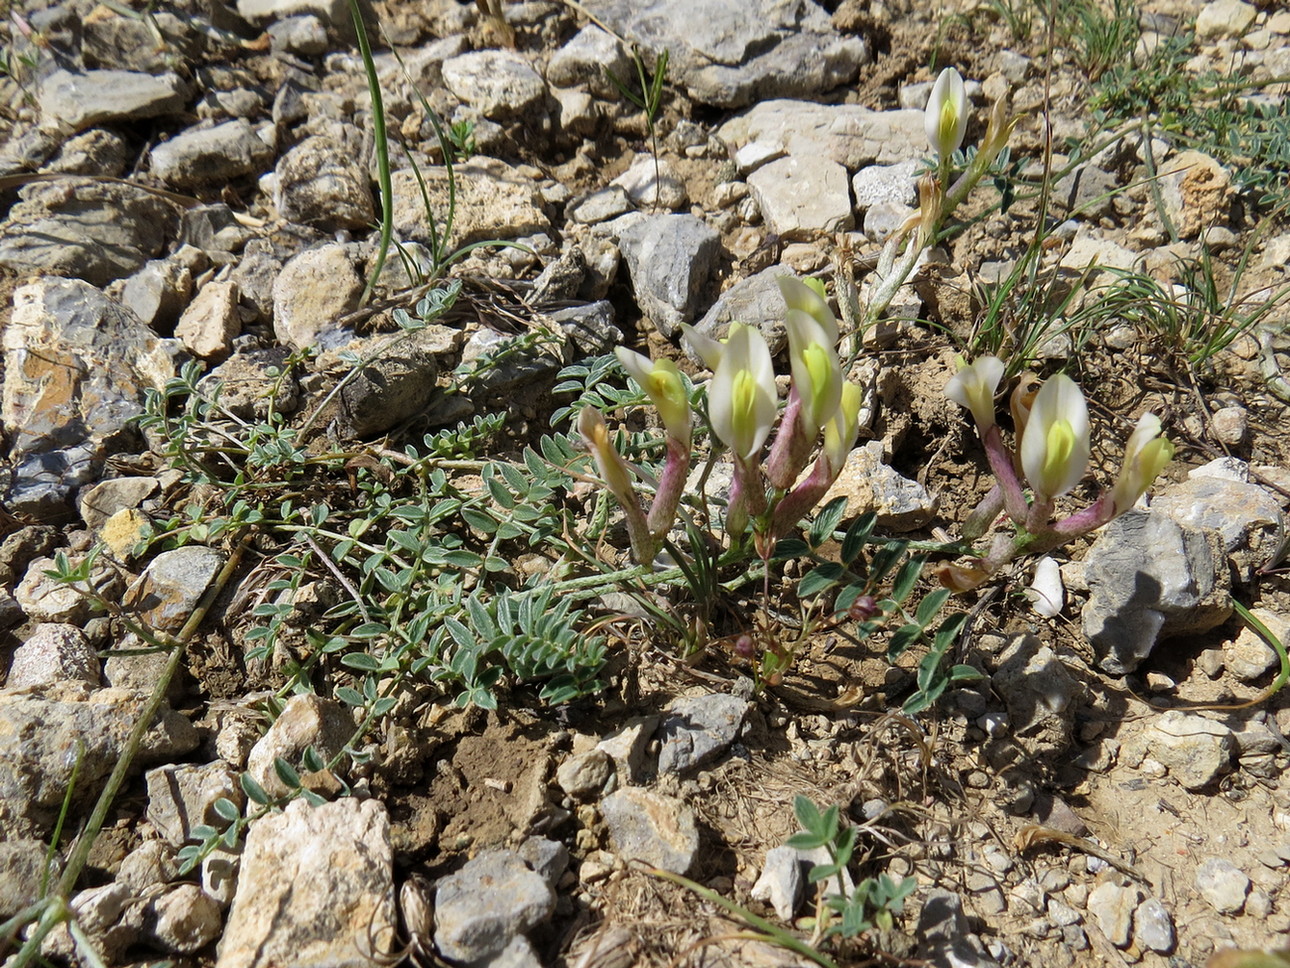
{"x":946,"y":117}
{"x":661,"y":380}
{"x":863,"y":608}
{"x":1145,"y":456}
{"x":974,"y":386}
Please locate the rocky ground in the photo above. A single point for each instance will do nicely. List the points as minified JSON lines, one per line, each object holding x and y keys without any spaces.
{"x":194,"y":183}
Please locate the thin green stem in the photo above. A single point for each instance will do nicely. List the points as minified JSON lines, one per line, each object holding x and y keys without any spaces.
{"x":382,"y":150}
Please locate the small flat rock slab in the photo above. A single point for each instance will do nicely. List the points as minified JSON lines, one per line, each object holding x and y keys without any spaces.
{"x":481,"y":909}
{"x":754,"y":301}
{"x":944,"y":936}
{"x":96,"y":231}
{"x":1149,"y":578}
{"x":848,"y":134}
{"x":199,"y":156}
{"x":76,"y":368}
{"x":84,"y":100}
{"x":305,"y":721}
{"x":729,"y":55}
{"x":321,"y":184}
{"x":312,"y":292}
{"x":41,"y":732}
{"x":333,"y":12}
{"x":493,"y":202}
{"x":1153,"y":927}
{"x":1112,"y":906}
{"x":316,"y":889}
{"x":696,"y":731}
{"x":803,"y":197}
{"x":653,"y":828}
{"x":1196,"y":750}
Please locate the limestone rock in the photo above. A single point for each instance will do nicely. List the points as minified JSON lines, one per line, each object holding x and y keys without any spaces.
{"x":671,"y":259}
{"x":781,"y":882}
{"x":1196,"y":190}
{"x":1247,"y":518}
{"x":483,"y":907}
{"x":870,"y":485}
{"x":754,"y":301}
{"x":181,"y":797}
{"x":316,"y":889}
{"x":202,"y":155}
{"x":1150,"y":578}
{"x":1112,"y":906}
{"x":848,"y":134}
{"x":306,"y":721}
{"x":729,"y":56}
{"x":184,"y":919}
{"x":696,"y":731}
{"x":76,"y":367}
{"x":1225,"y":18}
{"x":54,"y":651}
{"x":1196,"y":750}
{"x":313,"y":290}
{"x":321,"y":184}
{"x":1222,"y":884}
{"x":84,"y":100}
{"x":652,"y":187}
{"x":651,"y":827}
{"x":158,"y":293}
{"x":211,"y":321}
{"x":584,"y":60}
{"x":497,"y":83}
{"x":168,"y":591}
{"x":106,"y":498}
{"x":885,"y":183}
{"x":22,"y":865}
{"x":803,"y":196}
{"x":96,"y":231}
{"x":41,"y":733}
{"x":493,"y":202}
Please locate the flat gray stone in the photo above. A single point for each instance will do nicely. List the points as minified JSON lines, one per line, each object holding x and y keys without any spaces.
{"x":54,"y":651}
{"x":96,"y":231}
{"x":870,"y":485}
{"x":590,"y":328}
{"x":315,"y":889}
{"x":181,"y":797}
{"x":754,"y":301}
{"x":76,"y":369}
{"x":671,"y":259}
{"x":22,"y":865}
{"x":696,"y":731}
{"x":498,"y":84}
{"x":184,"y":919}
{"x":1222,"y":884}
{"x":1150,"y":578}
{"x":157,"y":293}
{"x":649,"y":827}
{"x":1112,"y":906}
{"x":1041,"y":695}
{"x":945,"y":938}
{"x":199,"y":156}
{"x":730,"y":55}
{"x":584,"y":60}
{"x":41,"y":734}
{"x":170,"y":588}
{"x":885,"y":183}
{"x":494,"y":201}
{"x":584,"y":776}
{"x":212,"y":320}
{"x":848,"y":134}
{"x":482,"y":908}
{"x":803,"y":197}
{"x":84,"y":100}
{"x":332,"y":12}
{"x":395,"y":386}
{"x":1153,"y":928}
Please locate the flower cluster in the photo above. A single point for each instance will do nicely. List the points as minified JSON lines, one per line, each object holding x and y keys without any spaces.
{"x":1052,"y":452}
{"x":743,"y":407}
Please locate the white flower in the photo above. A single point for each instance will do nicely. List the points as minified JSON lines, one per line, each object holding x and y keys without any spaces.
{"x":742,"y":400}
{"x":974,"y":387}
{"x":661,"y":380}
{"x":946,"y":116}
{"x":1055,"y":446}
{"x":1145,"y":456}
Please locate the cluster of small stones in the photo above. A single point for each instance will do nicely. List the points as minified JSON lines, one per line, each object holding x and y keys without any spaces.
{"x":121,"y":286}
